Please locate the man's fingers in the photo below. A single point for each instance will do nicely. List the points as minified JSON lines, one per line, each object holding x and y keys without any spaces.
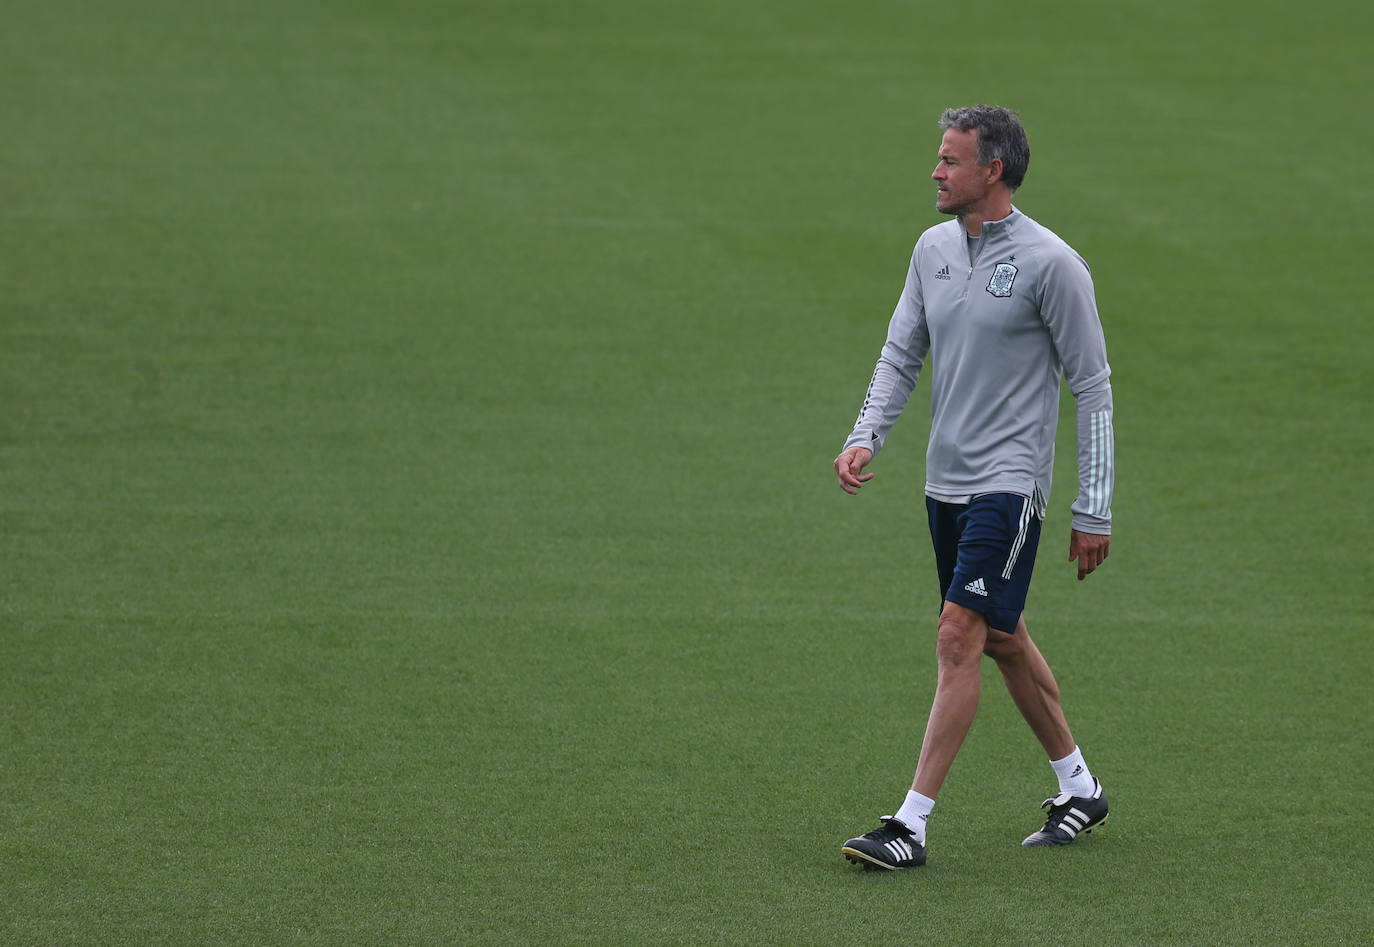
{"x":1087,"y":562}
{"x":851,"y":483}
{"x":847,"y":481}
{"x":1089,"y":549}
{"x":847,"y":467}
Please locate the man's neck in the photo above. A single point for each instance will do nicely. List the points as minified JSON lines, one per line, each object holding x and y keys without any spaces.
{"x":973,"y":220}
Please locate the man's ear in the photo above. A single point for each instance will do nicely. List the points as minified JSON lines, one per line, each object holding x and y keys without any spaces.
{"x":994,"y":170}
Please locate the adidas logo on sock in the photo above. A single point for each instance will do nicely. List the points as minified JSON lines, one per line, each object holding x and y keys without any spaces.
{"x":1076,"y":770}
{"x":977,"y":588}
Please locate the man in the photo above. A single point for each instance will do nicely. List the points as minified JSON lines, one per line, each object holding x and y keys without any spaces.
{"x":1004,"y":308}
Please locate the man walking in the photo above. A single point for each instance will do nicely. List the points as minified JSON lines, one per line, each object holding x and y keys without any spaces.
{"x":1004,"y":309}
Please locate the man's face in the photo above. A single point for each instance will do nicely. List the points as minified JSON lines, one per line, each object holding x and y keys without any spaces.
{"x":963,"y":183}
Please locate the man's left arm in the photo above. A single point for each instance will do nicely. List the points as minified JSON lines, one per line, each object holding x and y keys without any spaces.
{"x":1069,"y":307}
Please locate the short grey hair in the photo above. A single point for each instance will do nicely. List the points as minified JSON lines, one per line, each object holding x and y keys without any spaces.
{"x":1000,"y":137}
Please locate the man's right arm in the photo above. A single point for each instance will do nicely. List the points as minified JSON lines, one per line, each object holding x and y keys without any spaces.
{"x":899,"y":365}
{"x":894,"y":378}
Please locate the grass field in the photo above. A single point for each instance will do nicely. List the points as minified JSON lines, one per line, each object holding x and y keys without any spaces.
{"x":416,"y":515}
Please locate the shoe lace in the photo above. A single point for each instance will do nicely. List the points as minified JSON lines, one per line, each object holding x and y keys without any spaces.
{"x":889,"y":829}
{"x":1058,"y":805}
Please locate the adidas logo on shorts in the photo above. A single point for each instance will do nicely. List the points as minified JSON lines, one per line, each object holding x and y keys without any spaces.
{"x":977,"y":588}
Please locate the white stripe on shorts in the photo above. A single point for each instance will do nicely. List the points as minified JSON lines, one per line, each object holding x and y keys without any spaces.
{"x":1020,"y":538}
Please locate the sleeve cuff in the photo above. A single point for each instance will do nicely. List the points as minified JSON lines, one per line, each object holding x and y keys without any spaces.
{"x":863,"y":439}
{"x":1097,"y":525}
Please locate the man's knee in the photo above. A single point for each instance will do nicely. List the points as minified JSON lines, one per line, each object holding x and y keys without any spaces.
{"x":1002,"y":647}
{"x":962,"y":635}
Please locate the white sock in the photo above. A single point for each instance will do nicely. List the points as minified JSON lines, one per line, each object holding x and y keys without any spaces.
{"x":1073,"y":774}
{"x":914,"y":812}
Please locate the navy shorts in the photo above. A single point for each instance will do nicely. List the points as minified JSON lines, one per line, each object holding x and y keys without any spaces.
{"x":984,"y":553}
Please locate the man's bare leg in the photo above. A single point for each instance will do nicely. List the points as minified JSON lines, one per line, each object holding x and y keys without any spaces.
{"x":963,"y":634}
{"x":1032,"y":687}
{"x":1035,"y":693}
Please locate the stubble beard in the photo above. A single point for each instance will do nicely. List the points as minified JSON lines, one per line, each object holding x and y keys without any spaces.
{"x":956,"y":209}
{"x":953,"y":210}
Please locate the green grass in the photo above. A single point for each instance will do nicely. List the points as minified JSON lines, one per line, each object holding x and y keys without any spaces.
{"x":416,"y":519}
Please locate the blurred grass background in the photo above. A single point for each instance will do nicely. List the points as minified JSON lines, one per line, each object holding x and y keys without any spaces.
{"x":415,"y":485}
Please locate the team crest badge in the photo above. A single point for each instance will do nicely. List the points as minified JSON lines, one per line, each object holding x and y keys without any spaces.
{"x":1002,"y":278}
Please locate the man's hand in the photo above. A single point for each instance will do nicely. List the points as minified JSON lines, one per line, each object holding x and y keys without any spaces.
{"x":1089,"y":549}
{"x":848,"y":467}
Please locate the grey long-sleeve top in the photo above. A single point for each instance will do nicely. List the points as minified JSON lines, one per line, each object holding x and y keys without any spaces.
{"x":1000,"y":330}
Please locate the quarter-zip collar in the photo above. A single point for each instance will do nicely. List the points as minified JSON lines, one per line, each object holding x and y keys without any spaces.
{"x":993,"y":231}
{"x":1000,"y":227}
